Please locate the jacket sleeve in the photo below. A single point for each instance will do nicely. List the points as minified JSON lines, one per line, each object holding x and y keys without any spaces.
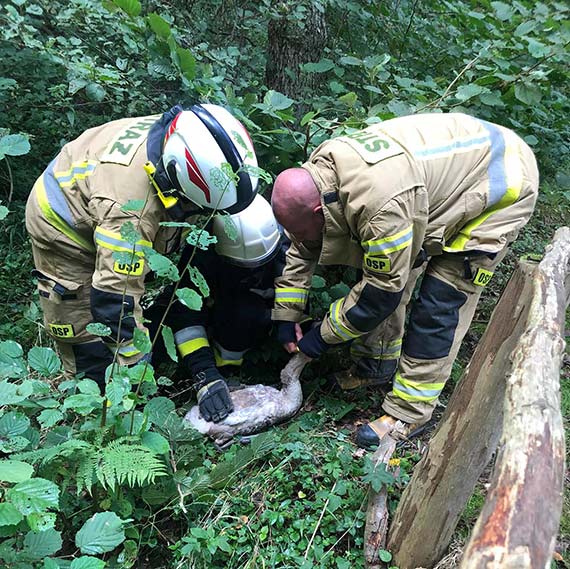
{"x":293,"y":285}
{"x":117,"y":286}
{"x":390,"y":240}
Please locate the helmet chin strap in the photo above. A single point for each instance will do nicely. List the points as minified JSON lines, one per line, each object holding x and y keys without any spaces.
{"x":170,"y":199}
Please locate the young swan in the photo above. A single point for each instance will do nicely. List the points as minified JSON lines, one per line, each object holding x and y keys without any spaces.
{"x":256,"y":407}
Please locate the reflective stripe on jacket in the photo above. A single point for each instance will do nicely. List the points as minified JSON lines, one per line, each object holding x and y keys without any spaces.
{"x":430,"y":182}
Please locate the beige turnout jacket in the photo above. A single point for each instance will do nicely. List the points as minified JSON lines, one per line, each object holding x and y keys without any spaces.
{"x":438,"y":182}
{"x":76,"y":213}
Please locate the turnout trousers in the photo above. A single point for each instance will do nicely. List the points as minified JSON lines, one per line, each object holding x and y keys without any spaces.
{"x":64,"y":275}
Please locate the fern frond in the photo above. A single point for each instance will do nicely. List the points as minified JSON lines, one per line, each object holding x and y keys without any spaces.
{"x":121,"y":462}
{"x":47,"y":455}
{"x":86,"y":471}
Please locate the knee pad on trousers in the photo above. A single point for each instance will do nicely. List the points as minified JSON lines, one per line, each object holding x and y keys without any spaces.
{"x":92,"y":359}
{"x":433,"y":320}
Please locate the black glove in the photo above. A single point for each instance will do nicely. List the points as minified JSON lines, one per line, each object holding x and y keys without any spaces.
{"x":213,"y":395}
{"x":286,"y":332}
{"x":312,"y":343}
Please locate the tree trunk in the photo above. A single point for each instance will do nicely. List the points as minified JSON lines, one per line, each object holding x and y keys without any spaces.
{"x":377,"y":511}
{"x":467,"y":436}
{"x":518,"y":524}
{"x":291,"y":43}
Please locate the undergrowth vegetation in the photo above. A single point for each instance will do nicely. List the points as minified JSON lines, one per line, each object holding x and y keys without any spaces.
{"x":117,"y":480}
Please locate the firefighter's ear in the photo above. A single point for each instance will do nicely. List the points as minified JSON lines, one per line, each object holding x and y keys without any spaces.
{"x":318,"y":209}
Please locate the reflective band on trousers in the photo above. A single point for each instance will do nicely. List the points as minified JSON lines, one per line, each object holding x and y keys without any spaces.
{"x":392,"y":350}
{"x":505,"y":180}
{"x":291,"y":294}
{"x":338,"y":327}
{"x":390,"y":244}
{"x":416,"y":390}
{"x":114,"y":241}
{"x":227,"y":357}
{"x":55,"y":208}
{"x":128,"y":350}
{"x":191,"y":339}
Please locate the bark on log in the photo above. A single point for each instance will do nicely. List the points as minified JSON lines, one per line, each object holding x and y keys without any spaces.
{"x":376,"y":527}
{"x":467,"y":436}
{"x":518,"y":524}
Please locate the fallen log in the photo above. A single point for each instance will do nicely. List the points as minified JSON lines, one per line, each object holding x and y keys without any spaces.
{"x":465,"y":440}
{"x":376,"y":527}
{"x":518,"y":524}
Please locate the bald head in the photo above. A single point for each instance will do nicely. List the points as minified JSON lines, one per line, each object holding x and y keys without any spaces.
{"x":296,"y":203}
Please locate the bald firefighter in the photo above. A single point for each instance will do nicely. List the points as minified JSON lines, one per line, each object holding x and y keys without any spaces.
{"x":438,"y":194}
{"x":107,"y":194}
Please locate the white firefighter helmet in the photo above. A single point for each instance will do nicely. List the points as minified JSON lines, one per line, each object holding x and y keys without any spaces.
{"x":196,"y":144}
{"x":258,"y":235}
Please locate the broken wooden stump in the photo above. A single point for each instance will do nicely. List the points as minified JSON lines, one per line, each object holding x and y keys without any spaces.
{"x":376,"y":528}
{"x":518,"y":524}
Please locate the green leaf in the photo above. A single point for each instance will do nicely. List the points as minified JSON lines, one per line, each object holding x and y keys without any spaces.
{"x":49,"y":417}
{"x":34,"y":495}
{"x":503,"y":11}
{"x":88,"y":387}
{"x":12,"y":393}
{"x":349,"y":60}
{"x":155,"y":442}
{"x":187,"y":63}
{"x":321,"y":66}
{"x":81,"y":403}
{"x":129,"y":233}
{"x":537,"y":49}
{"x":87,"y":562}
{"x":100,"y":534}
{"x":349,"y":99}
{"x":159,"y":25}
{"x":95,"y":92}
{"x":377,"y":476}
{"x":318,"y":282}
{"x":141,"y":341}
{"x":163,"y":266}
{"x":14,"y":145}
{"x":116,"y":389}
{"x":38,"y":545}
{"x":230,"y":227}
{"x":159,"y":409}
{"x":307,"y":118}
{"x":98,"y":329}
{"x":525,"y":28}
{"x":200,"y":238}
{"x":41,"y":521}
{"x":198,"y":279}
{"x":4,"y":211}
{"x":130,"y":7}
{"x":12,"y":365}
{"x":169,"y":343}
{"x":466,"y":92}
{"x":528,"y":93}
{"x":189,"y":298}
{"x":15,"y":471}
{"x":9,"y":516}
{"x":384,"y":555}
{"x":133,"y":205}
{"x":13,"y":424}
{"x":531,"y":140}
{"x":44,"y":361}
{"x":277,"y":101}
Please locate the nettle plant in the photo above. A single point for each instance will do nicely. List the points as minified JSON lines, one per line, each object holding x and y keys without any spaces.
{"x":86,"y":470}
